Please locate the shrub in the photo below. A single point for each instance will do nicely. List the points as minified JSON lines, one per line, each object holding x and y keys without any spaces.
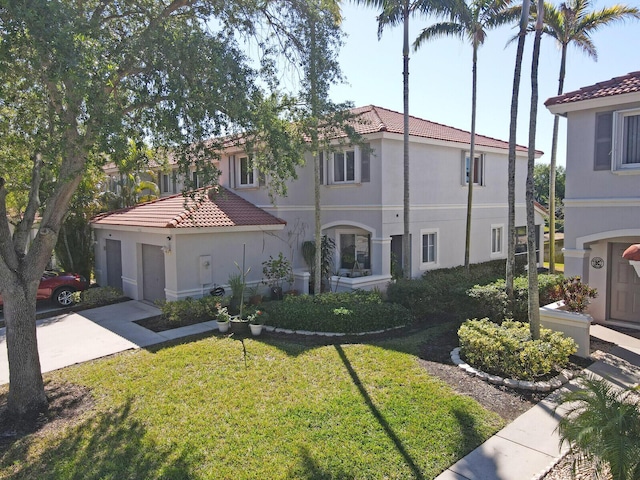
{"x":95,"y":297}
{"x":602,"y":427}
{"x":574,"y":293}
{"x":445,"y":290}
{"x":191,"y":310}
{"x":349,"y":312}
{"x":508,"y":350}
{"x":491,"y":300}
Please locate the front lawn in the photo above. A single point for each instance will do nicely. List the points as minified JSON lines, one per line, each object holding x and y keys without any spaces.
{"x":221,"y":408}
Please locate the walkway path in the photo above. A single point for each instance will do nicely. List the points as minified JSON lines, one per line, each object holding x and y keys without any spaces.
{"x":529,"y":446}
{"x":73,"y":338}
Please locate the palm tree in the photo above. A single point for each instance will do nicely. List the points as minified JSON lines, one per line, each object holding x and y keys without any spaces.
{"x":534,"y":294}
{"x":603,"y":426}
{"x":470,"y":21}
{"x":394,"y":12}
{"x":572,"y":23}
{"x":511,"y":236}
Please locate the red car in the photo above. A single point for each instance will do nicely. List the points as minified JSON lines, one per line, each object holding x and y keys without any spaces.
{"x":59,"y":287}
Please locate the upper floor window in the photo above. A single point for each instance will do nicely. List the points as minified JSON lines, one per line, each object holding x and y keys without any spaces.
{"x":245,"y":173}
{"x":168,"y":182}
{"x":346,"y":166}
{"x":617,"y":141}
{"x":478,"y":169}
{"x":626,"y":147}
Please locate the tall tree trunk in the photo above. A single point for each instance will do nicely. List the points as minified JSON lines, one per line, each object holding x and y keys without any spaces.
{"x":552,"y":169}
{"x":406,"y":239}
{"x":534,"y":297}
{"x":313,"y":79}
{"x":513,"y":123}
{"x":472,"y":153}
{"x":26,"y":390}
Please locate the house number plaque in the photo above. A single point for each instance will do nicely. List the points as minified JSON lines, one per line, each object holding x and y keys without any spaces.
{"x":597,"y":262}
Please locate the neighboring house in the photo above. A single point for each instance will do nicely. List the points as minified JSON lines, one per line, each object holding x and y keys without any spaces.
{"x":602,"y":198}
{"x":362,"y":198}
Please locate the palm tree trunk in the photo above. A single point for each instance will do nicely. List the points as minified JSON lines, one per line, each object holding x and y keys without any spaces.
{"x":313,"y":79}
{"x":552,"y":168}
{"x":515,"y":91}
{"x":472,"y":153}
{"x":406,"y":239}
{"x":534,"y":297}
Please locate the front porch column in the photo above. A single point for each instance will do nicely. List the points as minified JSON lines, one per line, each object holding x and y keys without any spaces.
{"x":381,"y":256}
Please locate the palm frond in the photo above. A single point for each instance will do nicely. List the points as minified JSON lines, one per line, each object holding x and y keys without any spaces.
{"x":442,"y":29}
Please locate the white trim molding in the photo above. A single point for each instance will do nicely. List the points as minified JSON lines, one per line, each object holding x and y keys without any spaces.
{"x":602,"y":202}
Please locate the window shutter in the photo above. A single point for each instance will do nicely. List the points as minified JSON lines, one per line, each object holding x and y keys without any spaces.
{"x":160,"y":180}
{"x":365,"y":164}
{"x":604,"y":134}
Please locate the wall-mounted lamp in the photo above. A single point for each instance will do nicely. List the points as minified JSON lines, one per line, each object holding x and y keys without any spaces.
{"x":167,"y":247}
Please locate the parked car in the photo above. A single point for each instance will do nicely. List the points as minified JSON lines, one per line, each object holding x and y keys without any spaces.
{"x":59,"y":287}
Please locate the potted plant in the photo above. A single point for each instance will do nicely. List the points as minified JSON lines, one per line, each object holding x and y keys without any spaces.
{"x":276,"y":271}
{"x":574,"y":294}
{"x":256,"y":322}
{"x":222,"y":318}
{"x":568,"y":312}
{"x":236,"y":284}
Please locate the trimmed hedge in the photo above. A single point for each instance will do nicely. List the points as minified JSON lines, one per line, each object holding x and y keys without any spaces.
{"x":349,"y":312}
{"x":508,"y":350}
{"x":491,"y":300}
{"x":97,"y":296}
{"x":445,"y":290}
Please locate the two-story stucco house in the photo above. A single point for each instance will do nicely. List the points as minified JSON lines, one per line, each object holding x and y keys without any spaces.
{"x":163,"y":250}
{"x":602,"y":196}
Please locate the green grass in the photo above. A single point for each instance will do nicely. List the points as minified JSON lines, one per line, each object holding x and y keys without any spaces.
{"x":208,"y":410}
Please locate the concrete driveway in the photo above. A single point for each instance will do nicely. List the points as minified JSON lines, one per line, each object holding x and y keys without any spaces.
{"x":72,"y":338}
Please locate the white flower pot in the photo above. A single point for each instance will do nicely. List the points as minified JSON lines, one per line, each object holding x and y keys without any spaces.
{"x":255,"y":329}
{"x":223,"y":327}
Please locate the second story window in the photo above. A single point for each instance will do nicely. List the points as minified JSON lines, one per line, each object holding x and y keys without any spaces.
{"x":344,"y":166}
{"x":617,"y":143}
{"x":246,"y":172}
{"x":478,"y":169}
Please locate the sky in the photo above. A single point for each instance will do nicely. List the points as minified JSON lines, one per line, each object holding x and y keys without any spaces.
{"x":440,"y":74}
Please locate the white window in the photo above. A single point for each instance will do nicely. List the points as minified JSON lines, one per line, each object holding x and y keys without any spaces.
{"x":246,"y":173}
{"x":478,"y":169}
{"x":429,"y":254}
{"x":626,"y":141}
{"x":496,"y":239}
{"x":344,"y":167}
{"x":168,"y":182}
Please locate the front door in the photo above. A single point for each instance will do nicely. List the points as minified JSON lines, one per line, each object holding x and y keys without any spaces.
{"x":153,"y":273}
{"x":624,"y":287}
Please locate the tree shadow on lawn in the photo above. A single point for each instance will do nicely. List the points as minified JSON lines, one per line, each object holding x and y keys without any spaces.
{"x":105,"y":445}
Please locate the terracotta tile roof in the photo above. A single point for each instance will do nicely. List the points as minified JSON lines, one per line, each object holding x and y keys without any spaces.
{"x":629,"y":83}
{"x":378,"y":119}
{"x":226,"y":209}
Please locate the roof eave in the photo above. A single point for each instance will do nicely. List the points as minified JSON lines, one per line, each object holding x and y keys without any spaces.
{"x":592,"y":103}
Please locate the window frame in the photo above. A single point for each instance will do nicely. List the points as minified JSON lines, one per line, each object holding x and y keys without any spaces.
{"x":617,"y":144}
{"x":478,"y":172}
{"x":338,"y":238}
{"x":253,"y":172}
{"x":330,"y":171}
{"x":436,"y":248}
{"x":500,"y":250}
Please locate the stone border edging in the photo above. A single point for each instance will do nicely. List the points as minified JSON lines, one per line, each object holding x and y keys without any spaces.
{"x":287,"y":331}
{"x":547,"y":386}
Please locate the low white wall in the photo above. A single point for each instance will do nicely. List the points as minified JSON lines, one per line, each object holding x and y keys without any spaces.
{"x":572,"y":324}
{"x":368,"y":282}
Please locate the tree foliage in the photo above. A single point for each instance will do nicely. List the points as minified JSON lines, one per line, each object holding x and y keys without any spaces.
{"x":78,"y":82}
{"x":541,"y":183}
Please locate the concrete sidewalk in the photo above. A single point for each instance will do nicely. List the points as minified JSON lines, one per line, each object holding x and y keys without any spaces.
{"x":73,"y":338}
{"x":527,"y":447}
